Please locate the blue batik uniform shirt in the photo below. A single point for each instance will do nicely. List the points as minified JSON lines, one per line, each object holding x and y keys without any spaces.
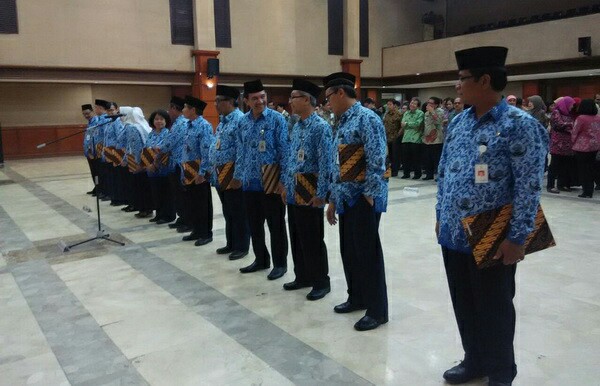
{"x":225,"y":141}
{"x":271,"y":127}
{"x":312,"y":136}
{"x":360,"y":125}
{"x":196,"y":144}
{"x":88,"y":137}
{"x":135,"y":142}
{"x":98,"y":132}
{"x":516,"y":146}
{"x":173,"y":143}
{"x":111,"y":134}
{"x":155,"y":140}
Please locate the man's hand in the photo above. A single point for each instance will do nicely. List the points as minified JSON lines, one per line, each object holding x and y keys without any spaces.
{"x":316,"y":202}
{"x":331,"y":219}
{"x":510,"y":253}
{"x":403,"y":125}
{"x":199,"y":179}
{"x":235,"y":184}
{"x":369,"y":199}
{"x":283,"y":193}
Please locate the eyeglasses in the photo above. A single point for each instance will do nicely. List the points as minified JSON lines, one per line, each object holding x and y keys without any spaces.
{"x":463,"y":78}
{"x":292,"y":97}
{"x":328,"y":95}
{"x":457,"y":103}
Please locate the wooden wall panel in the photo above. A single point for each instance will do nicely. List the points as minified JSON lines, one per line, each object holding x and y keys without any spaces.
{"x":21,"y":142}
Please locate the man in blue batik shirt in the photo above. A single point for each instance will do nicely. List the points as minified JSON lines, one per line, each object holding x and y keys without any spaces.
{"x":359,"y":203}
{"x":197,"y":141}
{"x":493,"y":155}
{"x":100,"y":108}
{"x":262,"y":139}
{"x":311,"y":151}
{"x":88,"y":113}
{"x":223,"y":151}
{"x":173,"y":144}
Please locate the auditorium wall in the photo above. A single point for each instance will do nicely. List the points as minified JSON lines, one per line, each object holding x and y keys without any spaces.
{"x":554,"y":40}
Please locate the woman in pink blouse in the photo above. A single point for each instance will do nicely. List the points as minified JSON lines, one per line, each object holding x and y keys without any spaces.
{"x":561,"y":125}
{"x":585,"y":137}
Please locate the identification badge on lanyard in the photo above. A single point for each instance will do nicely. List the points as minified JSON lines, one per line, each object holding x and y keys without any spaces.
{"x":218,"y":145}
{"x":262,"y":146}
{"x":481,"y":169}
{"x":301,"y":155}
{"x":481,"y":174}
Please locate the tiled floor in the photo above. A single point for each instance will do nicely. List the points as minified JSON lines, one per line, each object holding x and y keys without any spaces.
{"x":162,"y":312}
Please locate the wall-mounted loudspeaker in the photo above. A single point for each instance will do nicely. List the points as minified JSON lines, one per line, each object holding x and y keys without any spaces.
{"x":213,"y":67}
{"x":585,"y":45}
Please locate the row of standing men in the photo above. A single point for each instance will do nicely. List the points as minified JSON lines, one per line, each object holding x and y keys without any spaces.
{"x":260,"y":171}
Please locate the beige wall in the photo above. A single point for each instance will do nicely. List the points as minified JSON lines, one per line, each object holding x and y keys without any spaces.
{"x":279,"y":37}
{"x":40,"y":104}
{"x":94,"y":34}
{"x":553,"y":40}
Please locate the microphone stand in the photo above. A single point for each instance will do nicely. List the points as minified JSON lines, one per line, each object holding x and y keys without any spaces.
{"x":41,"y":145}
{"x":100,"y":234}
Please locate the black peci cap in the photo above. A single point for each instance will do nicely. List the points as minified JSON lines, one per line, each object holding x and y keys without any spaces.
{"x":86,"y":107}
{"x":102,"y":103}
{"x":253,"y":86}
{"x":306,"y":86}
{"x":177,"y":101}
{"x":195,"y":102}
{"x":339,"y":79}
{"x":226,"y":91}
{"x":481,"y":57}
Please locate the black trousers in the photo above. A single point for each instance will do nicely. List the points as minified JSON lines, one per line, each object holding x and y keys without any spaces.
{"x":362,"y":258}
{"x":106,"y":182}
{"x":142,"y":196}
{"x":93,"y":170}
{"x":261,"y":207}
{"x":178,"y":194}
{"x":484,"y":310}
{"x":198,"y":209}
{"x":121,"y":184}
{"x":162,"y":200}
{"x":307,"y":241}
{"x":413,"y":157}
{"x":237,"y":230}
{"x":561,"y":169}
{"x":585,"y":167}
{"x":432,"y":155}
{"x":394,"y":154}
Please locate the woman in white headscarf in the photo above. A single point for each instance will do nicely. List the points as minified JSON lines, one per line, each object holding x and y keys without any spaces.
{"x":136,"y":130}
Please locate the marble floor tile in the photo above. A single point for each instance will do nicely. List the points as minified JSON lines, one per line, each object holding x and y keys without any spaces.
{"x":143,"y":312}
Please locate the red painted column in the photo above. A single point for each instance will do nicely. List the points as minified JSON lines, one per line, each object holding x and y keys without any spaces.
{"x":352,"y":66}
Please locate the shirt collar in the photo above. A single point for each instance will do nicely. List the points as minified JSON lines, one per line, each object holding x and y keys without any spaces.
{"x":350,"y":112}
{"x":230,"y":116}
{"x":308,"y":121}
{"x":495,"y":113}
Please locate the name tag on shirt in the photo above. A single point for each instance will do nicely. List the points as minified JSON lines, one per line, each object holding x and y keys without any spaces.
{"x":218,"y":145}
{"x":88,"y":137}
{"x":262,"y":146}
{"x":481,"y":174}
{"x":301,"y":155}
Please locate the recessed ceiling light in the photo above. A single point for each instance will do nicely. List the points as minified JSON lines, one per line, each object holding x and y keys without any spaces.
{"x":418,"y":73}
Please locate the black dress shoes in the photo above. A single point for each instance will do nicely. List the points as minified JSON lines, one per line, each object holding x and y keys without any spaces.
{"x":176,"y":224}
{"x":183,"y":229}
{"x":163,"y":221}
{"x":405,"y":177}
{"x":369,"y":323}
{"x":91,"y":192}
{"x":236,"y":255}
{"x":417,"y":177}
{"x":224,"y":250}
{"x":295,"y":285}
{"x":154,"y":219}
{"x":144,"y":214}
{"x":427,"y":178}
{"x":191,"y":236}
{"x":584,"y":196}
{"x":317,"y":294}
{"x":128,"y":209}
{"x":552,"y":190}
{"x":253,"y":268}
{"x":204,"y":241}
{"x":461,"y":374}
{"x":346,"y":307}
{"x":276,"y":273}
